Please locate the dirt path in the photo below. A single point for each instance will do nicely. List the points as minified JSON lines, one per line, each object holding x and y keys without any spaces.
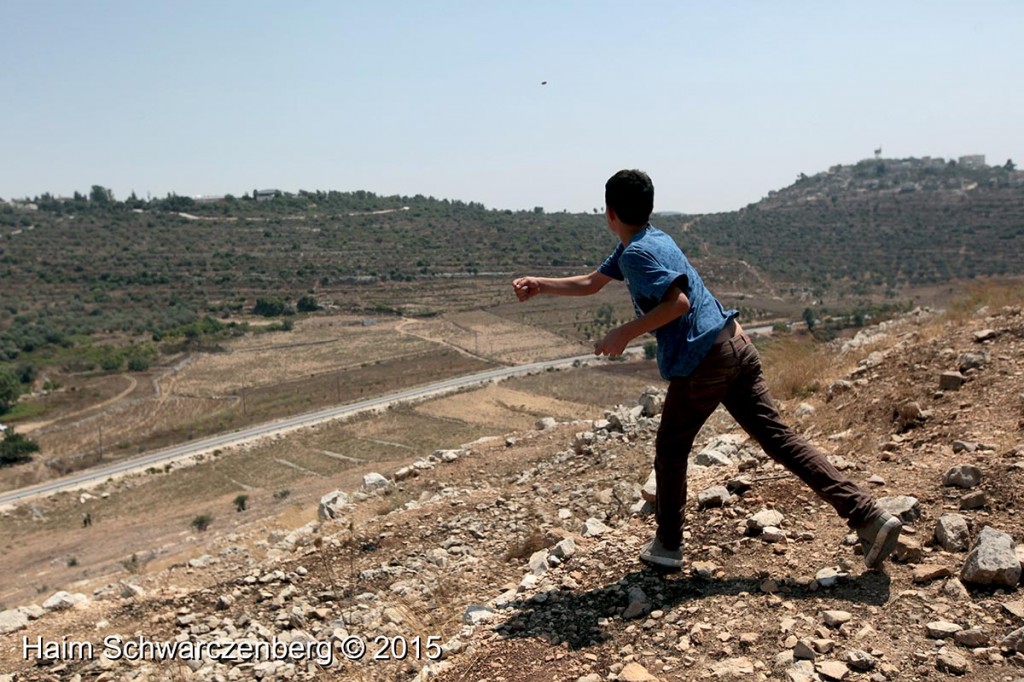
{"x":400,"y":328}
{"x":29,"y":427}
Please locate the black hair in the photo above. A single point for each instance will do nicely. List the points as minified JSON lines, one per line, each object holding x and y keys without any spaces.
{"x":630,"y":193}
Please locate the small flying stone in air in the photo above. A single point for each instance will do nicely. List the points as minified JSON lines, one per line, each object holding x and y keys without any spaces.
{"x":543,"y":82}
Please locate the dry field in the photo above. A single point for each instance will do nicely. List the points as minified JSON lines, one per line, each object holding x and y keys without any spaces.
{"x":486,"y":335}
{"x":324,"y":361}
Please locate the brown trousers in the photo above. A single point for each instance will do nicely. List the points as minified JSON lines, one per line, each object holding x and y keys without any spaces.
{"x":731,"y":375}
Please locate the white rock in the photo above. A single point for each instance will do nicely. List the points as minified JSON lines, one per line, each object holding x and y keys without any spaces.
{"x":942,"y":629}
{"x":477,"y":613}
{"x":764,"y":518}
{"x":652,"y":400}
{"x":593,"y":527}
{"x":835,"y":618}
{"x":374,"y":481}
{"x":712,"y":458}
{"x":130,"y":591}
{"x":733,"y":669}
{"x":803,"y":410}
{"x":202,"y":561}
{"x":12,"y":620}
{"x":827,"y":577}
{"x":860,"y":660}
{"x":907,"y":508}
{"x":951,"y":662}
{"x":832,"y":670}
{"x":405,"y":473}
{"x":564,"y":549}
{"x":63,"y":600}
{"x":801,"y":671}
{"x":992,"y":561}
{"x":332,"y":505}
{"x":952,"y":533}
{"x":634,"y":672}
{"x":539,"y":562}
{"x":715,"y":496}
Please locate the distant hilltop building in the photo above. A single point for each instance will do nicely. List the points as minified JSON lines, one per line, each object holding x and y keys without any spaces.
{"x":265,"y":194}
{"x":208,"y":198}
{"x":972,"y":161}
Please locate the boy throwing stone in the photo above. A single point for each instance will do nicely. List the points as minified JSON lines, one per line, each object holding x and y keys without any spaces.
{"x":708,"y":360}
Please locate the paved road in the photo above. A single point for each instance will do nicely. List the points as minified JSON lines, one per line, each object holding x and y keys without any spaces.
{"x":161,"y":457}
{"x":166,"y":455}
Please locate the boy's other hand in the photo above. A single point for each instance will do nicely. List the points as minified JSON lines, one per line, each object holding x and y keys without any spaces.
{"x":614,"y":343}
{"x":526,"y":287}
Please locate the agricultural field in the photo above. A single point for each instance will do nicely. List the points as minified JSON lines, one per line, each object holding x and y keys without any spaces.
{"x":324,"y":359}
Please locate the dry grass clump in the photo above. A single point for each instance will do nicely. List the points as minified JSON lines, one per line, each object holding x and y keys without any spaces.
{"x":795,"y":367}
{"x":992,"y":294}
{"x":526,"y":546}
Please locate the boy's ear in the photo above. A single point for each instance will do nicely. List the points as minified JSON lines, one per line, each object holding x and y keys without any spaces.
{"x":610,"y":213}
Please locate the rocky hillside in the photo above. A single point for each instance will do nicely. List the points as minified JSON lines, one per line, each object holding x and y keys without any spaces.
{"x":515,"y":558}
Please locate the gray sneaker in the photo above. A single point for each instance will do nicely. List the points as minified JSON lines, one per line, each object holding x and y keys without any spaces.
{"x":656,"y":554}
{"x":878,"y":539}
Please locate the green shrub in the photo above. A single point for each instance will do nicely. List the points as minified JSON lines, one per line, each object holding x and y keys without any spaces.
{"x":202,"y":522}
{"x":111,"y":362}
{"x":138,"y":363}
{"x":16,"y":448}
{"x":271,"y":307}
{"x":307,"y":304}
{"x":10,"y":388}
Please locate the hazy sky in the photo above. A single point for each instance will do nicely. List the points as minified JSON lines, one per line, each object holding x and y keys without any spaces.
{"x":719,"y":101}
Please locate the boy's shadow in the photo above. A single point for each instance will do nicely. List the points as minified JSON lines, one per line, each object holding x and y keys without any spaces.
{"x":583,"y":619}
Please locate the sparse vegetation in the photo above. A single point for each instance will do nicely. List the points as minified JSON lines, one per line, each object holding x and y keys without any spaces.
{"x":794,"y":367}
{"x":202,"y":522}
{"x":132,"y":564}
{"x":524,"y":546}
{"x":10,"y":388}
{"x":15,"y":448}
{"x":992,"y":294}
{"x":241,"y":503}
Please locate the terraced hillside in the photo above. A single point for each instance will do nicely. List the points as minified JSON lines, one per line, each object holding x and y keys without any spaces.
{"x":877,"y":225}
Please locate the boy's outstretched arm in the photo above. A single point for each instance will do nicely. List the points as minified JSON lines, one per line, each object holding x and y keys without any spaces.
{"x":673,"y":305}
{"x":580,"y":285}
